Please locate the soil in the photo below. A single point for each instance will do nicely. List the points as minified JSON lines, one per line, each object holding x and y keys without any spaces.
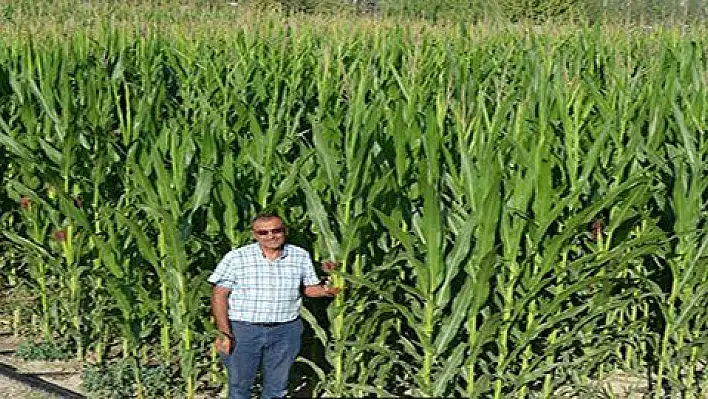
{"x":66,"y":374}
{"x":10,"y":389}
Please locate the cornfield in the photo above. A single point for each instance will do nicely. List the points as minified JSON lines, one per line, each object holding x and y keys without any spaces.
{"x":514,"y":211}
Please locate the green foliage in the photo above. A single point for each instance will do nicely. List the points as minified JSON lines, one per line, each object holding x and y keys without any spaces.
{"x":663,"y":12}
{"x":331,"y":7}
{"x":117,"y":380}
{"x":47,"y":351}
{"x":484,"y":11}
{"x":438,"y":10}
{"x":539,"y":10}
{"x":648,"y":12}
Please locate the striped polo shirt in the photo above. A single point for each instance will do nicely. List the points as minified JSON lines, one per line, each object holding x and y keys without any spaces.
{"x":264,"y":291}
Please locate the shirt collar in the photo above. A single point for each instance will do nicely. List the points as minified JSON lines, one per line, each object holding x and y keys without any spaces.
{"x":283,"y":254}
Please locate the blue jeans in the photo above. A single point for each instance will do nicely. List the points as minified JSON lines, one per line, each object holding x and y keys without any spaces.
{"x":276,"y":347}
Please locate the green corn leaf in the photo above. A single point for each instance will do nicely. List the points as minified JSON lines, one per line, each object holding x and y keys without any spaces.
{"x":7,"y":141}
{"x":320,"y":218}
{"x":203,"y":189}
{"x":445,"y":376}
{"x":455,"y":260}
{"x":316,"y":368}
{"x":107,"y":257}
{"x":460,"y":312}
{"x":50,"y":111}
{"x":320,"y":333}
{"x":28,"y":244}
{"x":146,"y":247}
{"x":289,"y":184}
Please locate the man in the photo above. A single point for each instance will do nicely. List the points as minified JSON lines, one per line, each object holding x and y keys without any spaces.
{"x":255,"y":301}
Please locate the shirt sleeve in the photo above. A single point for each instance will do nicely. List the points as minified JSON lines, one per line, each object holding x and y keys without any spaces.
{"x":225,"y":273}
{"x":309,"y":276}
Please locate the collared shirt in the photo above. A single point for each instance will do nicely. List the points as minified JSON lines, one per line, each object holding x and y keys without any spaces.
{"x":264,"y":291}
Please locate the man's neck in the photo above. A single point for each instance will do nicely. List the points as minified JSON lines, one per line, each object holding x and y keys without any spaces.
{"x":272,"y":254}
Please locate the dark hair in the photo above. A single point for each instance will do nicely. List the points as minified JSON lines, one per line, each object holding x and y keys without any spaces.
{"x":266,"y":215}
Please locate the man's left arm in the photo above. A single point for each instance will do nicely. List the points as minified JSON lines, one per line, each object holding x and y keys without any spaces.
{"x":313,"y":288}
{"x":321,"y":290}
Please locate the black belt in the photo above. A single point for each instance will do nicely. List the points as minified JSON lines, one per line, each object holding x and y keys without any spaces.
{"x":274,"y":324}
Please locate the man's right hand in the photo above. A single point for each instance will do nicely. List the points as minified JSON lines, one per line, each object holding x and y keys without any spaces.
{"x":224,"y":344}
{"x":219,"y":306}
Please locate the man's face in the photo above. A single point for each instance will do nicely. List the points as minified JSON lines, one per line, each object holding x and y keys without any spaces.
{"x":270,"y":232}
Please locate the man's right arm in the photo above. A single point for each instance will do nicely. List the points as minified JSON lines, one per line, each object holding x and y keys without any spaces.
{"x":219,"y":308}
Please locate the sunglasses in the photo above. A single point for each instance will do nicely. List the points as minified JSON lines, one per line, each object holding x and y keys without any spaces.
{"x":279,"y":230}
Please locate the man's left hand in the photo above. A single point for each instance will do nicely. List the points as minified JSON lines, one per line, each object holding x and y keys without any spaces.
{"x":321,"y":291}
{"x":331,"y":291}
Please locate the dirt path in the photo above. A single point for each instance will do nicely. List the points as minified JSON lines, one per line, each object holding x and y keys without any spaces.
{"x":11,"y":389}
{"x":63,"y":374}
